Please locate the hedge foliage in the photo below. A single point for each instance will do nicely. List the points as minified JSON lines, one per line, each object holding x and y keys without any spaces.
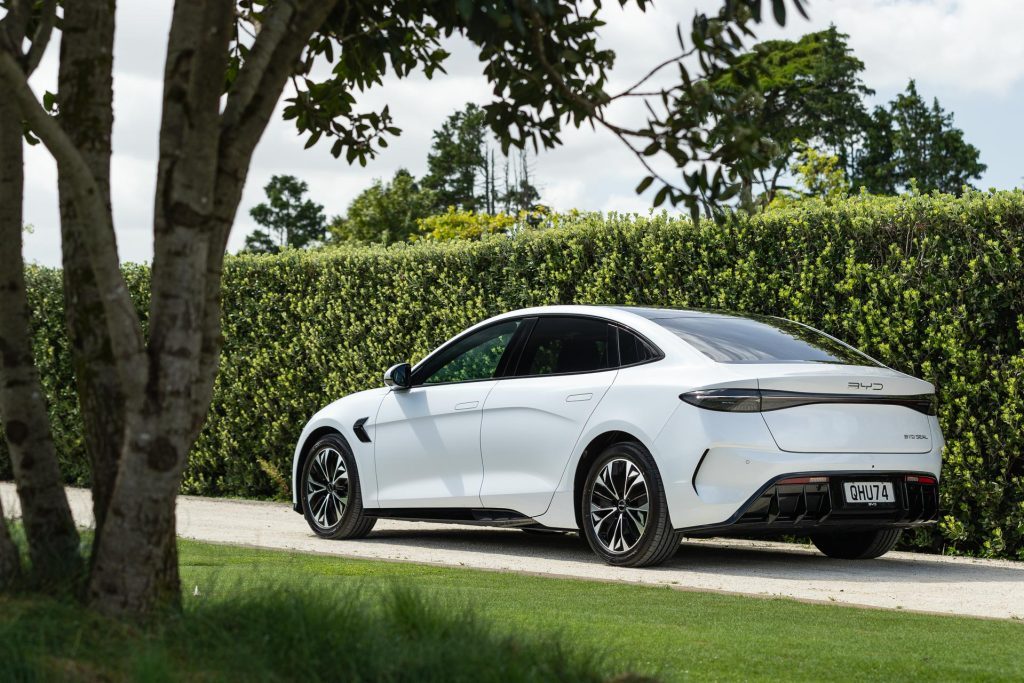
{"x":932,"y":285}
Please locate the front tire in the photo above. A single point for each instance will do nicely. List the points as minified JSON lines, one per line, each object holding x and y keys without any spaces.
{"x":331,"y":497}
{"x":858,"y":545}
{"x":623,"y":508}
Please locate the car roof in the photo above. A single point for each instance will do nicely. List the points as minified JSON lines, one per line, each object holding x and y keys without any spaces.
{"x":615,"y":312}
{"x":658,"y":313}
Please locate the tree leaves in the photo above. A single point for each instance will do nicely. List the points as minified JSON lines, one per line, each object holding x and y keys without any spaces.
{"x":385,"y":212}
{"x":807,"y":91}
{"x":547,"y":70}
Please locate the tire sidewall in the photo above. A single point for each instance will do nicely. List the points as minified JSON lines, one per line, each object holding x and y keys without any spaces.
{"x":354,"y":500}
{"x":658,"y":509}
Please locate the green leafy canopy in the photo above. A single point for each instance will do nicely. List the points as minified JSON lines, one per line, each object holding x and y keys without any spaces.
{"x":385,"y":212}
{"x":547,"y":70}
{"x":910,"y":144}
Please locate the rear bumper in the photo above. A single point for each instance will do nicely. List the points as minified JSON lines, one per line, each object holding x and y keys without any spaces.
{"x":809,"y":508}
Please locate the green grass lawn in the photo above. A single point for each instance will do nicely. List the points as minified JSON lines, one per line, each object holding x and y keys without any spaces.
{"x":275,"y":615}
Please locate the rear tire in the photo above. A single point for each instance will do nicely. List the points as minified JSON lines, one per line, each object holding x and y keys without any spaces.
{"x":623,"y":509}
{"x":331,"y":497}
{"x":858,"y":545}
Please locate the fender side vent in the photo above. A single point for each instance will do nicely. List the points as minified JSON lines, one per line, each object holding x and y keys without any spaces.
{"x":360,"y":430}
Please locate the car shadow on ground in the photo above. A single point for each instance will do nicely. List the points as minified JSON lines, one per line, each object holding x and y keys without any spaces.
{"x":776,"y":561}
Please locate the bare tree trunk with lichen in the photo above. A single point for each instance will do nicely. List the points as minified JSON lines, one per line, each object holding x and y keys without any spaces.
{"x":49,"y":528}
{"x":85,"y":101}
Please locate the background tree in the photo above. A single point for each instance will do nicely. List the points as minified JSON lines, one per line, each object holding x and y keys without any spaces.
{"x":908,"y":140}
{"x":821,"y":175}
{"x":809,"y":92}
{"x":288,"y":218}
{"x":385,"y":212}
{"x":226,"y":68}
{"x":520,"y":193}
{"x":462,"y":168}
{"x":457,"y":156}
{"x":818,"y":174}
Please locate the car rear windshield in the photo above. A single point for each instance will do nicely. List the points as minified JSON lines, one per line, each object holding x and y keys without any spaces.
{"x":761,"y":339}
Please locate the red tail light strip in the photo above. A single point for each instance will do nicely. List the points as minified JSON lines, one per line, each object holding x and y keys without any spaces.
{"x":804,"y":480}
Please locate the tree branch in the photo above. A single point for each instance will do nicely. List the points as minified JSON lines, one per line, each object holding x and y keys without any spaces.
{"x":272,"y":32}
{"x":593,"y":108}
{"x":631,"y":91}
{"x":12,"y":26}
{"x":41,"y":38}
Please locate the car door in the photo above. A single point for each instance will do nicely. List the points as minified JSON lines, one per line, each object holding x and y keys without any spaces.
{"x":533,"y":418}
{"x":427,"y":437}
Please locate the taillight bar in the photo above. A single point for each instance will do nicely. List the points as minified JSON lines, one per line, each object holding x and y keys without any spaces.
{"x":920,"y":479}
{"x":764,"y":400}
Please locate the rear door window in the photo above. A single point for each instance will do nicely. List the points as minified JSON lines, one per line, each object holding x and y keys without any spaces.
{"x":562,"y":345}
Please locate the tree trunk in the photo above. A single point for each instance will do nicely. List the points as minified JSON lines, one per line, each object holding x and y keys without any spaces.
{"x":85,"y":97}
{"x":49,"y":528}
{"x":135,"y":570}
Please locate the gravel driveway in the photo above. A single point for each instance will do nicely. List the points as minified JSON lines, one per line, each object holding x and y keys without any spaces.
{"x":913,"y":582}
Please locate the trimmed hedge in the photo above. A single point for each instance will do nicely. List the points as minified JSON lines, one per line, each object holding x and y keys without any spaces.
{"x":931,"y":285}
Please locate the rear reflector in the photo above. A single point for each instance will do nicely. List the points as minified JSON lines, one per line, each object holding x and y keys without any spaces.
{"x":802,"y":480}
{"x":921,"y":480}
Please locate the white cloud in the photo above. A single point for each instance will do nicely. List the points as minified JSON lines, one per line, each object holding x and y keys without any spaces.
{"x":972,"y":46}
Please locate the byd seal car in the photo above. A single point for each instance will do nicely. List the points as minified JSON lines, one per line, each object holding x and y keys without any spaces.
{"x":634,"y":427}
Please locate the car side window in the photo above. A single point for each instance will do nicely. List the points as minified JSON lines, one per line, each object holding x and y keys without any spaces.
{"x":473,"y":357}
{"x":633,"y":349}
{"x":559,"y":345}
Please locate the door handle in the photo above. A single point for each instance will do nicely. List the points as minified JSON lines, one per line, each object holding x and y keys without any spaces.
{"x":468,"y":405}
{"x":573,"y":398}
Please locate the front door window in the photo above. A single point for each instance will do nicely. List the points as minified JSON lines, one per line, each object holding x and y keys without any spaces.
{"x":474,"y":357}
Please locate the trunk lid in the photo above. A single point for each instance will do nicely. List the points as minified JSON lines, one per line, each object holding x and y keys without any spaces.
{"x":812,"y":408}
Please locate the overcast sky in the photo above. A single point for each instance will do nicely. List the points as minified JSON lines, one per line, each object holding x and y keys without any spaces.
{"x":968,"y":53}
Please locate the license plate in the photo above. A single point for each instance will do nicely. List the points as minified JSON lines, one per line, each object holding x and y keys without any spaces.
{"x":869,"y":492}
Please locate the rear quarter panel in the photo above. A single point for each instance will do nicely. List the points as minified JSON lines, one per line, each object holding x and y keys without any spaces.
{"x":640,"y":402}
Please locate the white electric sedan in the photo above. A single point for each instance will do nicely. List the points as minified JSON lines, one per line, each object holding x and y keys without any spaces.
{"x":634,"y":427}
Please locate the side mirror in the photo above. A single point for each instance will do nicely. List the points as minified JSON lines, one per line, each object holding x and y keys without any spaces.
{"x":398,"y":376}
